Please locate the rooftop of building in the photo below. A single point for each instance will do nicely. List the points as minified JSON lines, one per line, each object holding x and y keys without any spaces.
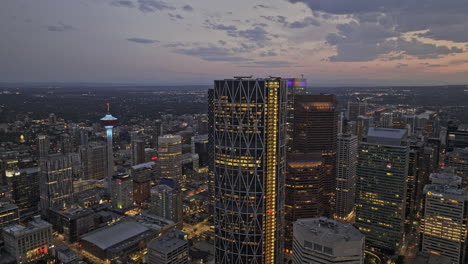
{"x":328,"y":230}
{"x":446,"y":191}
{"x":110,"y":236}
{"x":29,"y":170}
{"x":386,"y":136}
{"x":146,"y":165}
{"x":445,"y":178}
{"x":165,"y":244}
{"x":75,"y":212}
{"x":33,"y":225}
{"x":66,"y":251}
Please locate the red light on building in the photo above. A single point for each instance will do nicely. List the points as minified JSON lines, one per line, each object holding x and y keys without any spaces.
{"x":154,"y":158}
{"x":119,"y":182}
{"x":389,"y":166}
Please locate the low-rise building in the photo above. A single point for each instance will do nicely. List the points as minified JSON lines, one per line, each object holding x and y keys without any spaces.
{"x":169,"y":249}
{"x":27,"y":243}
{"x":120,"y":239}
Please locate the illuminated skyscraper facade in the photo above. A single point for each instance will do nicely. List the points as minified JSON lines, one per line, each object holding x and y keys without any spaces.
{"x":249,"y":132}
{"x":56,"y":182}
{"x":445,"y":224}
{"x":381,"y":190}
{"x":346,"y":165}
{"x":169,"y":164}
{"x":458,"y":159}
{"x":304,"y":191}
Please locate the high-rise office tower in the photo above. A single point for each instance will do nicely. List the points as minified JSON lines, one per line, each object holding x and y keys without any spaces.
{"x":325,"y":241}
{"x":169,"y":164}
{"x":362,"y":126}
{"x":457,"y":136}
{"x":458,"y":159}
{"x":109,"y":122}
{"x":94,"y":161}
{"x":56,"y":182}
{"x":304,"y":191}
{"x":25,"y":191}
{"x":122,"y":191}
{"x":43,"y":146}
{"x":249,"y":165}
{"x":315,"y":130}
{"x":166,"y":202}
{"x":356,"y":107}
{"x":381,"y":190}
{"x":66,"y":144}
{"x":386,"y":120}
{"x":138,"y":151}
{"x":142,"y":175}
{"x":200,"y":146}
{"x":52,"y":119}
{"x":445,"y":224}
{"x":346,"y":165}
{"x":296,"y":86}
{"x":83,"y":137}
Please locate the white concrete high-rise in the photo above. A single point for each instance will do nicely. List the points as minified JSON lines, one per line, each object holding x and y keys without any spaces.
{"x":346,"y":166}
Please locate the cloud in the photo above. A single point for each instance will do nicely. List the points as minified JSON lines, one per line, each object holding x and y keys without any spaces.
{"x":256,"y":34}
{"x":401,"y":65}
{"x":368,"y":41}
{"x":176,"y":16}
{"x":123,"y":3}
{"x":145,"y":6}
{"x":278,"y":19}
{"x":222,"y":27}
{"x":442,"y":20}
{"x":458,"y":62}
{"x":262,"y":6}
{"x":153,"y":6}
{"x":268,"y":64}
{"x":187,"y":8}
{"x":268,"y":53}
{"x":211,"y":53}
{"x":60,"y":27}
{"x":308,"y":21}
{"x":142,"y":40}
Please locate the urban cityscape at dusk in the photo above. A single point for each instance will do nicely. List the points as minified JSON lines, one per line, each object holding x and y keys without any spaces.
{"x":233,"y":132}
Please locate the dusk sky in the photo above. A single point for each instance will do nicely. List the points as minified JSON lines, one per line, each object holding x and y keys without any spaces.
{"x":331,"y":42}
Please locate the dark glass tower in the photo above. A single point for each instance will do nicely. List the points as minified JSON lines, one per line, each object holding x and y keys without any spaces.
{"x":249,"y":142}
{"x":315,"y":130}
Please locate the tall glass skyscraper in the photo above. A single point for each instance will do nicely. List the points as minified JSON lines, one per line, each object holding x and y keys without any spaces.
{"x":315,"y":130}
{"x":381,"y":190}
{"x":249,"y":134}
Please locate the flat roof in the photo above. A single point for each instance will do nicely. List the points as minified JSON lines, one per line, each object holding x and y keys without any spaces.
{"x":107,"y":237}
{"x":168,"y":242}
{"x":386,"y":136}
{"x":327,"y":230}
